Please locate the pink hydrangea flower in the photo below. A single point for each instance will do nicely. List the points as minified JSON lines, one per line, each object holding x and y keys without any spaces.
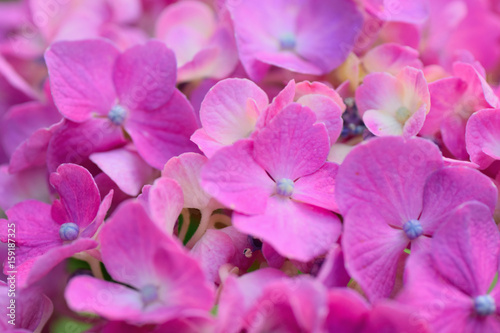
{"x":203,"y":44}
{"x":277,"y":182}
{"x":453,"y":101}
{"x":394,"y":105}
{"x":134,"y":90}
{"x":311,"y":37}
{"x":48,"y":234}
{"x":162,"y":275}
{"x":457,"y":273}
{"x":394,"y":199}
{"x":229,"y":113}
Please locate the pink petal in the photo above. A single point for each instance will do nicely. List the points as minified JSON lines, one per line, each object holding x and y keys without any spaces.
{"x":284,"y":97}
{"x":318,"y":189}
{"x":292,"y":145}
{"x":295,"y":230}
{"x":483,"y":137}
{"x":164,"y":132}
{"x":186,"y":170}
{"x":111,"y":300}
{"x":42,"y":265}
{"x":24,"y":185}
{"x":372,"y":249}
{"x":131,"y":227}
{"x":145,"y":76}
{"x":450,"y":187}
{"x":467,"y":247}
{"x":125,"y":167}
{"x":392,"y":317}
{"x":35,"y":231}
{"x":317,"y":88}
{"x":234,"y":178}
{"x":382,"y":124}
{"x":230,"y":109}
{"x":99,"y":218}
{"x":212,"y":251}
{"x":332,"y":272}
{"x":347,"y":311}
{"x":391,"y":58}
{"x":79,"y":193}
{"x":82,"y":84}
{"x":399,"y":10}
{"x":379,"y":91}
{"x":165,"y":203}
{"x":397,"y":177}
{"x":75,"y":142}
{"x":206,"y":143}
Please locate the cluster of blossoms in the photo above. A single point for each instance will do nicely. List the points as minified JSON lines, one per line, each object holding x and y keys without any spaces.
{"x":234,"y":166}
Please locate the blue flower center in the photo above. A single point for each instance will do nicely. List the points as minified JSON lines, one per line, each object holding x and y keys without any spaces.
{"x":413,"y":229}
{"x":69,"y":231}
{"x":288,"y":42}
{"x":117,"y":114}
{"x":484,"y":305}
{"x":284,"y":187}
{"x":149,"y":294}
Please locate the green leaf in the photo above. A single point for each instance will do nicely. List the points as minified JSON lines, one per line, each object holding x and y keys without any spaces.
{"x":65,"y":325}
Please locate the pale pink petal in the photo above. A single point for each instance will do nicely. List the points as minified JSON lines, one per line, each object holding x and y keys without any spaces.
{"x":327,"y":112}
{"x":164,"y":132}
{"x":483,"y":137}
{"x":307,"y":88}
{"x":391,"y":58}
{"x":382,"y":124}
{"x":234,"y":178}
{"x":318,"y":189}
{"x":125,"y":167}
{"x":186,"y":170}
{"x":398,"y":10}
{"x":292,"y":145}
{"x":379,"y":91}
{"x":111,"y":300}
{"x":206,"y":143}
{"x":144,"y":76}
{"x":165,"y":203}
{"x":82,"y":84}
{"x":230,"y":109}
{"x":295,"y":230}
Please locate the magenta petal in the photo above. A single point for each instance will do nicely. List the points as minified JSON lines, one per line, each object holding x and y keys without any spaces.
{"x":131,"y":227}
{"x":292,"y":145}
{"x":79,"y":193}
{"x":347,"y":311}
{"x":145,"y":76}
{"x":332,"y":272}
{"x":372,"y":249}
{"x":284,"y":97}
{"x":448,"y":188}
{"x":31,"y":152}
{"x":110,"y":300}
{"x":35,"y":231}
{"x":467,"y":247}
{"x":165,"y":203}
{"x":236,"y":180}
{"x":392,"y":317}
{"x":75,"y":142}
{"x":295,"y":230}
{"x":42,"y":265}
{"x":397,"y":177}
{"x":80,"y":77}
{"x":164,"y":132}
{"x":318,"y":189}
{"x":125,"y":167}
{"x":101,"y":214}
{"x":483,"y":137}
